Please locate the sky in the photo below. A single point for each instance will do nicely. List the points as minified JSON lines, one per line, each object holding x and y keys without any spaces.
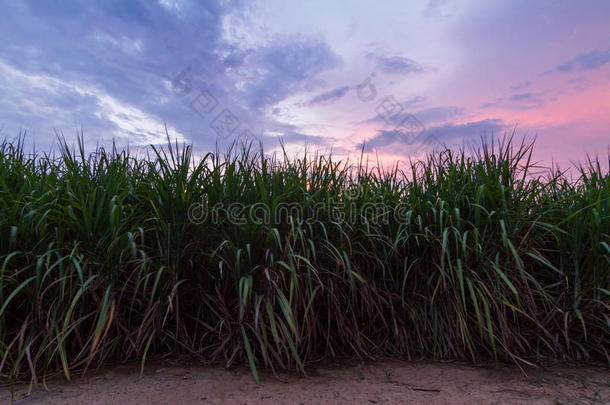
{"x":394,"y":78}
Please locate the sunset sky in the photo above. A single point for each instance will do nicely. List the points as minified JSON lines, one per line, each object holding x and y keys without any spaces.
{"x":400,"y":76}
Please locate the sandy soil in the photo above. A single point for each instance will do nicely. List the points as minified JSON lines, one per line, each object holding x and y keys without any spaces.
{"x":382,"y":381}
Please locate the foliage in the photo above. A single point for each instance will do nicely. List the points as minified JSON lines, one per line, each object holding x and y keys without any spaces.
{"x":99,"y":261}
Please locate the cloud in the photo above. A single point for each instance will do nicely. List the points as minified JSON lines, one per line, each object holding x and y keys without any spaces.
{"x":519,"y":101}
{"x":521,"y":86}
{"x":329,"y":96}
{"x":433,"y":115}
{"x":291,"y":135}
{"x":114,"y":68}
{"x":452,"y":131}
{"x":414,"y":102}
{"x":302,"y":139}
{"x":434,"y":7}
{"x":522,"y":96}
{"x":65,"y":106}
{"x":286,"y":67}
{"x":382,"y":139}
{"x":105,"y":68}
{"x":585,"y":61}
{"x":396,"y":64}
{"x":392,"y":140}
{"x":438,"y":114}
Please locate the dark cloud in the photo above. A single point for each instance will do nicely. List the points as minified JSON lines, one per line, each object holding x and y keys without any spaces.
{"x":519,"y":101}
{"x":297,"y":139}
{"x":393,"y":141}
{"x":450,"y":132}
{"x":287,"y":67}
{"x":304,"y":139}
{"x":521,"y":86}
{"x":382,"y":139}
{"x":398,"y":65}
{"x":329,"y":96}
{"x":106,"y":67}
{"x":414,"y":102}
{"x":522,"y":96}
{"x":291,"y":135}
{"x":434,"y":7}
{"x":427,"y":116}
{"x":113,"y":67}
{"x":585,"y":61}
{"x":437,"y":114}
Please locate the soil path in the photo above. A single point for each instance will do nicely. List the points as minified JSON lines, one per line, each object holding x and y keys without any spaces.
{"x":379,"y":382}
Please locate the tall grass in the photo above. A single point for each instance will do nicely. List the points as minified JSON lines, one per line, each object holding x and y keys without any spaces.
{"x":99,"y":261}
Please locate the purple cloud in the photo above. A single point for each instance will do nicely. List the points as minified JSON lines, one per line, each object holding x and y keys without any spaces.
{"x":329,"y":96}
{"x":287,"y":67}
{"x":392,"y":141}
{"x":396,"y":64}
{"x":124,"y":69}
{"x":585,"y":61}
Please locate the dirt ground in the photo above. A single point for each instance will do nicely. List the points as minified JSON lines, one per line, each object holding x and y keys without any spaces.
{"x":378,"y":382}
